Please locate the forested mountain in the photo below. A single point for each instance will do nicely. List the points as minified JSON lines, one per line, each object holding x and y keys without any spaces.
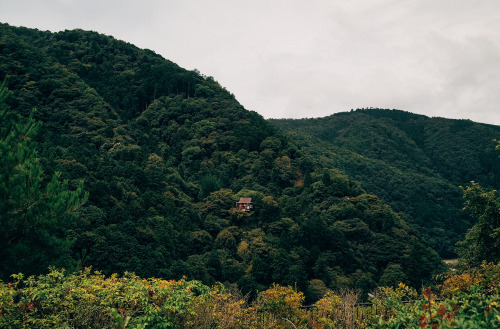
{"x":412,"y":162}
{"x":164,"y":153}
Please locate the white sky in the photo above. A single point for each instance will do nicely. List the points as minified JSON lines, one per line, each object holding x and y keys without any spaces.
{"x":310,"y":58}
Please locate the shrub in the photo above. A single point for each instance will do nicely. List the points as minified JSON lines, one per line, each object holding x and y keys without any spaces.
{"x":90,"y":300}
{"x":284,"y":304}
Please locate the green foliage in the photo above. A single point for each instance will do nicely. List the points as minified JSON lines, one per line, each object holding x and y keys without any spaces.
{"x":474,"y":310}
{"x":351,"y":201}
{"x":35,"y":211}
{"x":412,"y":162}
{"x":482,"y":242}
{"x":486,"y":276}
{"x":89,"y":299}
{"x":338,"y":310}
{"x":392,"y":276}
{"x":166,"y":152}
{"x":282,"y":302}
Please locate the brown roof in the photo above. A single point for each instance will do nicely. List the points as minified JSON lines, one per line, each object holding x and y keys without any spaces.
{"x":245,"y":200}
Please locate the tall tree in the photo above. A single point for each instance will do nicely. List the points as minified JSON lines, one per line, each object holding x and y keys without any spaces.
{"x":34,"y":213}
{"x":482,"y":242}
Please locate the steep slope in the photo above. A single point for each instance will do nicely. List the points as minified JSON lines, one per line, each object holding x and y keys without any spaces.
{"x":414,"y":163}
{"x":166,"y":152}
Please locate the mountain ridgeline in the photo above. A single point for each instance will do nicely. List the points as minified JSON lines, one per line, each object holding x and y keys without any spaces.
{"x":412,"y":162}
{"x":165,"y":153}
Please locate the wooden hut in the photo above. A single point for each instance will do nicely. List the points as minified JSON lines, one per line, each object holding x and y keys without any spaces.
{"x":245,"y":204}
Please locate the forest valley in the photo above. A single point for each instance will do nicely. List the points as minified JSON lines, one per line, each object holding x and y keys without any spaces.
{"x":116,"y":160}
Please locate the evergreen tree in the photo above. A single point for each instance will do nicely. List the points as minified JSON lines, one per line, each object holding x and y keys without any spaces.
{"x":34,"y":213}
{"x":482,"y":242}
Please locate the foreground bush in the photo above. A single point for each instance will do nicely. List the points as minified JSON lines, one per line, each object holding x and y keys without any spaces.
{"x":277,"y":307}
{"x":486,"y":276}
{"x":91,"y":300}
{"x":475,"y":309}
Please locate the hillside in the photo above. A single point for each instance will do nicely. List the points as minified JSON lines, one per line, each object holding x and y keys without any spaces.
{"x":412,"y":162}
{"x":164,"y":154}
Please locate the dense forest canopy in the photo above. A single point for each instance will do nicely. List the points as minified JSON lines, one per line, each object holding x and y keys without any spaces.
{"x":412,"y":162}
{"x":164,"y":154}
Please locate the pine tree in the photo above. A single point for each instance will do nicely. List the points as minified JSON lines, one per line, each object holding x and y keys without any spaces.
{"x":482,"y":242}
{"x":35,"y":213}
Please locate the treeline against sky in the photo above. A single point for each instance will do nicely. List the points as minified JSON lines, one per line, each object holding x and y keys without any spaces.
{"x":414,"y":163}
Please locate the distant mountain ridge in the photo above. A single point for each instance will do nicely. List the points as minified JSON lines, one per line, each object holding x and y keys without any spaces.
{"x":413,"y":162}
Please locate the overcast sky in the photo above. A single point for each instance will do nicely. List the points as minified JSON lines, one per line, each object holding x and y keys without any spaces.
{"x":310,"y":58}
